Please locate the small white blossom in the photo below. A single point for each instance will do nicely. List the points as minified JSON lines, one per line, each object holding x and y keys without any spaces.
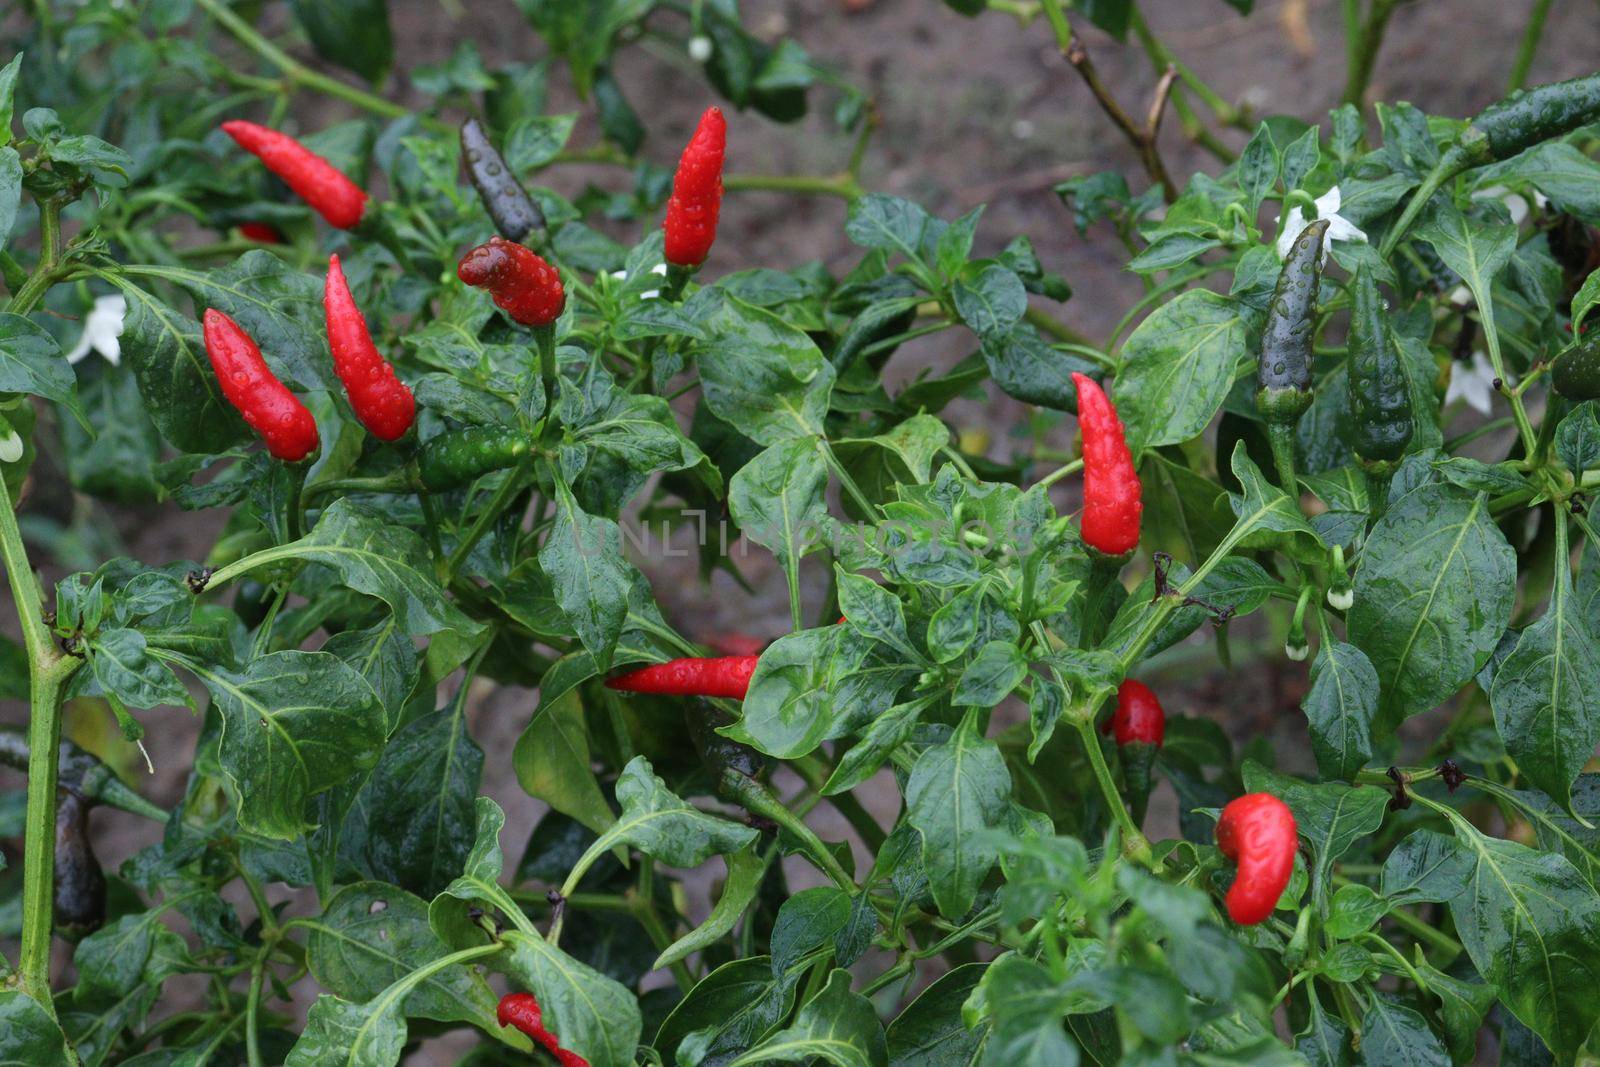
{"x":10,"y":446}
{"x":101,"y":329}
{"x":1339,"y":227}
{"x":1461,"y":296}
{"x":1298,"y":653}
{"x":1474,"y":384}
{"x":1023,"y":129}
{"x":699,"y":48}
{"x":1341,"y":599}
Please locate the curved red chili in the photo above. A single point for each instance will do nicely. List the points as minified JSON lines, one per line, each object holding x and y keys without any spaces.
{"x":249,"y":384}
{"x":1257,"y":831}
{"x":691,"y":224}
{"x":1139,"y":718}
{"x":521,"y":282}
{"x":704,"y":676}
{"x":521,"y":1010}
{"x":313,"y":179}
{"x":380,"y":400}
{"x":1112,"y":503}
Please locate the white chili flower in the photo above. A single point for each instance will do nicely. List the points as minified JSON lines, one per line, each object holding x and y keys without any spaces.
{"x":1339,"y":227}
{"x":699,"y":48}
{"x":1474,"y":384}
{"x":101,"y":329}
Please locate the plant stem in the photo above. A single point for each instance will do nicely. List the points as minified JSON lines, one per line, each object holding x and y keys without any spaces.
{"x":758,"y":800}
{"x":301,"y":75}
{"x":1281,"y":435}
{"x":514,"y":484}
{"x":1529,"y":46}
{"x":48,"y":672}
{"x":47,"y":272}
{"x":1134,"y":844}
{"x":1362,"y":54}
{"x":843,"y":186}
{"x":1061,"y":472}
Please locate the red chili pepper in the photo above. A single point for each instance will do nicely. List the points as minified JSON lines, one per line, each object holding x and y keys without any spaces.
{"x":522,"y":283}
{"x":1111,"y":489}
{"x":691,"y":224}
{"x":1138,"y":718}
{"x":707,"y":676}
{"x":1257,"y":831}
{"x":381,"y":401}
{"x":260,"y":232}
{"x":521,"y":1010}
{"x":249,"y":384}
{"x":314,"y":180}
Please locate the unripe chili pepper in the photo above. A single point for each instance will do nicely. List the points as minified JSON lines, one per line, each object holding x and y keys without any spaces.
{"x":80,"y":884}
{"x":510,"y":208}
{"x":1257,"y":832}
{"x":1502,"y":130}
{"x":704,"y":676}
{"x":250,"y":386}
{"x":1283,"y":375}
{"x":522,"y":1011}
{"x":455,"y":458}
{"x":1576,"y":372}
{"x":1112,"y":501}
{"x":381,"y":401}
{"x":522,"y":284}
{"x":261,"y":232}
{"x":691,"y":223}
{"x":316,"y":181}
{"x":1380,"y":396}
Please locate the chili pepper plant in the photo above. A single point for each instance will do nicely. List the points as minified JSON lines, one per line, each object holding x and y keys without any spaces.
{"x":415,"y":374}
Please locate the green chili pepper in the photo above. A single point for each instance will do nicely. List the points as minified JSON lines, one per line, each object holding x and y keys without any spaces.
{"x":1380,"y":398}
{"x":1283,"y":376}
{"x":1576,"y":372}
{"x":456,"y":458}
{"x":1502,"y":130}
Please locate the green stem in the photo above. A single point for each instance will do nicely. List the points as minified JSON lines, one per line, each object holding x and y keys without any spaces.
{"x":1362,"y":54}
{"x":48,"y":271}
{"x":1281,"y":434}
{"x":843,"y":186}
{"x":1061,"y":472}
{"x":1134,"y":844}
{"x":868,"y":508}
{"x":758,"y":800}
{"x":514,"y":484}
{"x":1529,"y":46}
{"x":304,"y":76}
{"x":252,"y":1007}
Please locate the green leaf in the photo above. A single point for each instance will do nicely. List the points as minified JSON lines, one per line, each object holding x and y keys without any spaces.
{"x":371,"y":1034}
{"x":1272,"y":517}
{"x":1340,"y":707}
{"x":371,"y":935}
{"x":1543,"y":694}
{"x":1177,"y":367}
{"x":1432,"y":596}
{"x":10,"y":190}
{"x":32,"y":362}
{"x":591,"y":579}
{"x":388,"y":562}
{"x":658,"y":823}
{"x":28,"y":1036}
{"x":1023,"y":366}
{"x":386,"y":657}
{"x":124,"y":668}
{"x":353,"y":34}
{"x":745,"y":871}
{"x":739,"y":1002}
{"x":778,"y":499}
{"x":891,"y":223}
{"x":1578,"y":439}
{"x":1528,"y":919}
{"x":759,"y":373}
{"x":418,"y":802}
{"x":873,"y":611}
{"x":1258,"y":169}
{"x":174,"y":374}
{"x":590,"y":1014}
{"x":990,"y":300}
{"x":553,"y":764}
{"x":8,"y":93}
{"x":989,"y":678}
{"x":838,"y":1026}
{"x":930,"y":1032}
{"x":1392,"y":1033}
{"x":293,"y":725}
{"x":807,"y":922}
{"x":956,"y":791}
